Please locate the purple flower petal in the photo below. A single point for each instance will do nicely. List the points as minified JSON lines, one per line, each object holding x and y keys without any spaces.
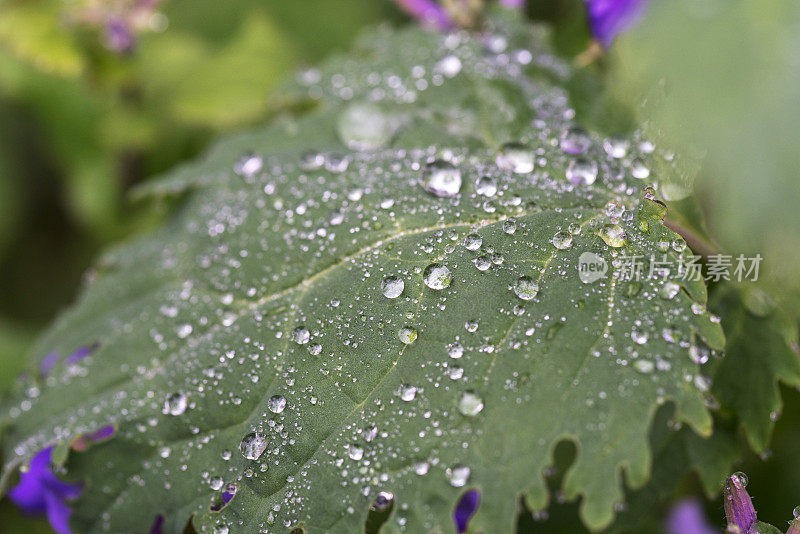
{"x":80,"y":354}
{"x":428,"y":12}
{"x":687,"y":517}
{"x":514,"y":4}
{"x":465,"y":509}
{"x":609,"y":18}
{"x":48,"y":362}
{"x":118,"y":36}
{"x":738,"y":507}
{"x":158,"y":525}
{"x":794,"y":528}
{"x":40,"y":492}
{"x":81,"y":443}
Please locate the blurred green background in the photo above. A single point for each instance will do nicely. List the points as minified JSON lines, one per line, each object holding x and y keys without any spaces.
{"x":81,"y":123}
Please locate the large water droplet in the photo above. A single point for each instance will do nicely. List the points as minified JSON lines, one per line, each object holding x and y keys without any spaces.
{"x":248,"y":165}
{"x":276,"y":403}
{"x":486,"y":186}
{"x":562,"y":240}
{"x":407,"y":393}
{"x":407,"y":334}
{"x":175,"y":404}
{"x":442,"y":178}
{"x":392,"y":287}
{"x":582,"y":172}
{"x":301,"y":335}
{"x":437,"y":276}
{"x":473,"y":241}
{"x":458,"y":475}
{"x":612,"y":234}
{"x":365,"y":127}
{"x":516,"y":157}
{"x":669,"y":290}
{"x":470,"y":404}
{"x":253,"y":445}
{"x":526,"y":288}
{"x":355,"y":452}
{"x":615,"y":147}
{"x":575,"y":141}
{"x":449,"y":66}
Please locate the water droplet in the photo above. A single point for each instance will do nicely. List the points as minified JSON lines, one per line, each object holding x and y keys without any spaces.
{"x":437,"y":276}
{"x":455,"y":372}
{"x":175,"y":404}
{"x":699,"y":353}
{"x":482,"y":262}
{"x":510,"y":226}
{"x":407,"y":393}
{"x":455,"y":351}
{"x":640,"y":338}
{"x":562,"y":240}
{"x":614,"y":210}
{"x":184,"y":330}
{"x":742,"y":478}
{"x":582,"y":172}
{"x":471,"y":326}
{"x":301,"y":335}
{"x":669,"y":290}
{"x":575,"y":141}
{"x":526,"y":288}
{"x":421,"y":468}
{"x":644,"y":366}
{"x":615,"y":147}
{"x":253,"y":445}
{"x":612,"y":234}
{"x":486,"y":186}
{"x":392,"y":287}
{"x":312,"y":160}
{"x":639,"y":170}
{"x":473,"y":241}
{"x":248,"y":165}
{"x":365,"y":127}
{"x":355,"y":453}
{"x":407,"y":335}
{"x":470,"y":404}
{"x":516,"y":157}
{"x":276,"y":403}
{"x":449,"y":66}
{"x":458,"y":475}
{"x":442,"y":178}
{"x":216,"y":483}
{"x":336,"y":163}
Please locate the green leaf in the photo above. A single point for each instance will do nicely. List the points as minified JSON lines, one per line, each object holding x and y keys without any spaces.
{"x":262,"y":338}
{"x":760,"y":352}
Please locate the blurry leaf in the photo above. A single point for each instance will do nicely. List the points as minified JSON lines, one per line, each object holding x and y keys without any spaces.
{"x":222,"y":88}
{"x":760,"y":351}
{"x":32,"y":31}
{"x":256,"y":340}
{"x":731,"y":70}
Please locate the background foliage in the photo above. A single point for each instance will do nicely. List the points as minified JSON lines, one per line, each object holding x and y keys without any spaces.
{"x":82,"y":124}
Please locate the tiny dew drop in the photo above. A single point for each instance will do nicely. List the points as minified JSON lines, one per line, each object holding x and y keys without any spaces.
{"x":455,"y":351}
{"x":442,"y":179}
{"x":562,"y":240}
{"x":437,"y":276}
{"x":526,"y":288}
{"x":276,"y":403}
{"x":407,"y":335}
{"x":392,"y":287}
{"x":612,"y":234}
{"x":510,"y":226}
{"x":615,"y":147}
{"x":470,"y":404}
{"x":175,"y":404}
{"x":582,"y":172}
{"x":458,"y":475}
{"x":644,"y":366}
{"x":482,"y":262}
{"x":355,"y":453}
{"x":742,"y":478}
{"x":516,"y":157}
{"x":253,"y":445}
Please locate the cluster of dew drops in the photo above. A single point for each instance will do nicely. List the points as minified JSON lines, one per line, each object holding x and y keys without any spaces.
{"x":556,"y":142}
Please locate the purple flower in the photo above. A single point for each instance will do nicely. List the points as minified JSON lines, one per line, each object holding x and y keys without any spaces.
{"x":609,"y":18}
{"x":687,"y":517}
{"x":118,"y":35}
{"x":40,"y":492}
{"x":739,"y":509}
{"x":81,"y":443}
{"x":794,"y":527}
{"x":465,"y":509}
{"x":49,"y":361}
{"x":428,"y":12}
